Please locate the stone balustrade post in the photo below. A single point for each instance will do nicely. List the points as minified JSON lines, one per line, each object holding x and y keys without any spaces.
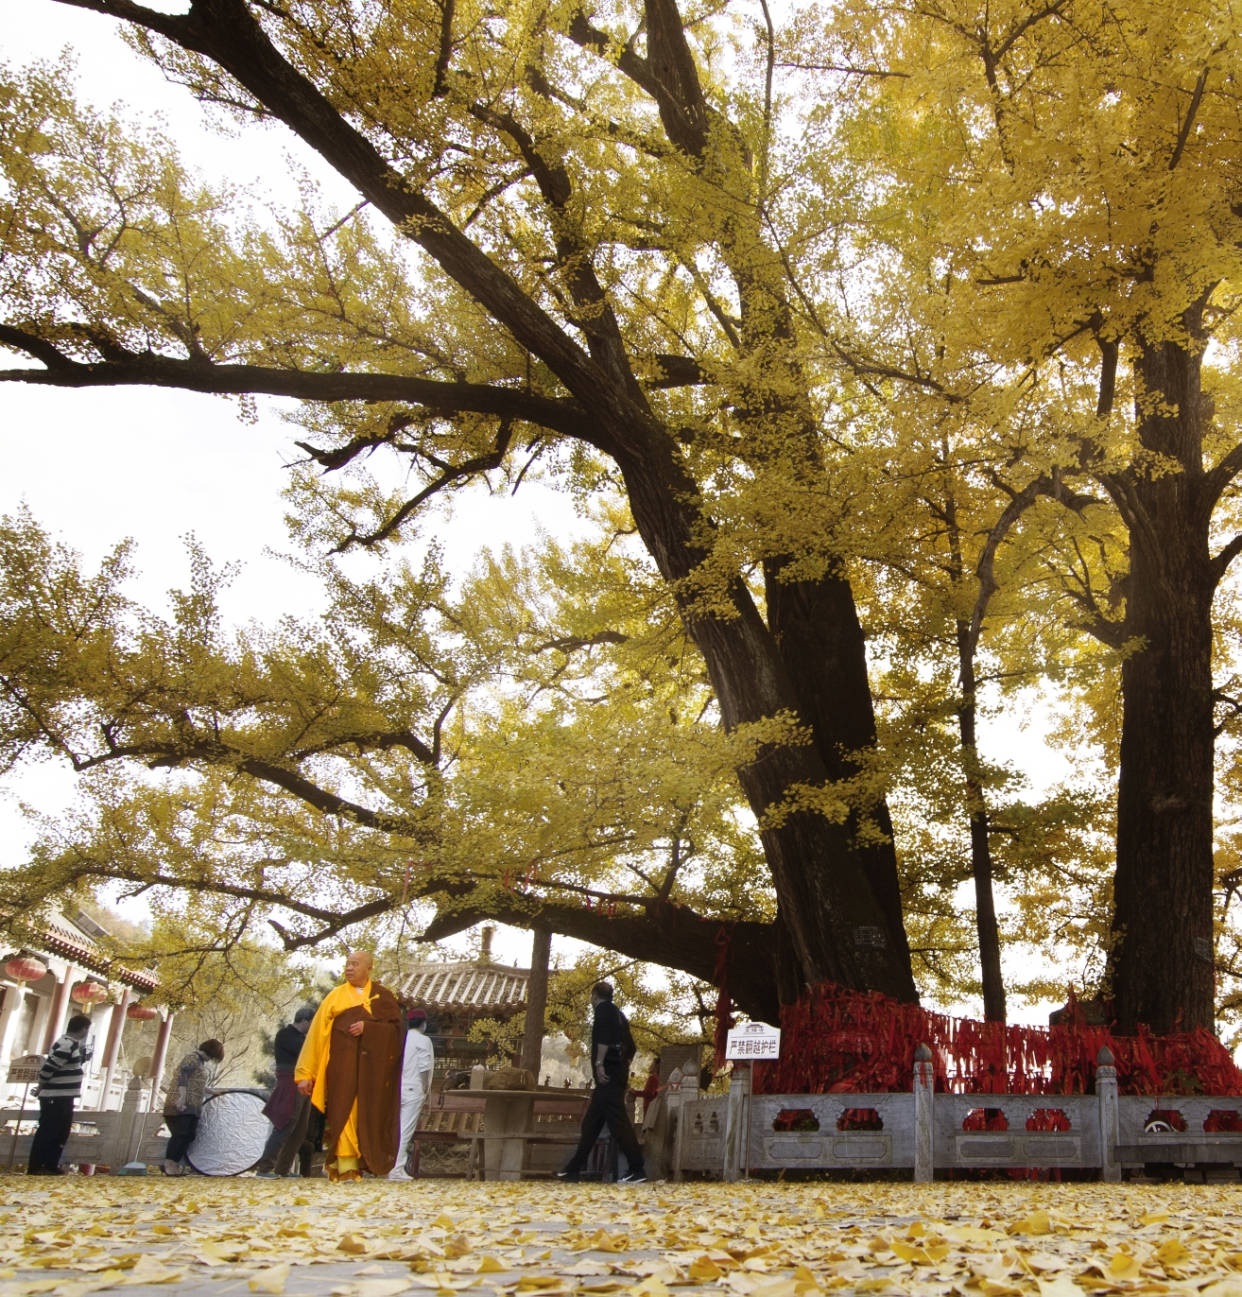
{"x":1106,"y":1093}
{"x":674,"y":1099}
{"x":737,"y":1124}
{"x":924,"y":1091}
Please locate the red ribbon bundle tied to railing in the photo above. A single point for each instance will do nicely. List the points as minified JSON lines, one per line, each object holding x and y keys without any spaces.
{"x":835,"y":1041}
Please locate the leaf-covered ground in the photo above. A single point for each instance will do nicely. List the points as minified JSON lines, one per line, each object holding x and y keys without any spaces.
{"x":212,"y":1237}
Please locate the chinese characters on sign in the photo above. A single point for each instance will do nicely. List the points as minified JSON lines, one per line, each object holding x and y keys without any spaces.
{"x":753,"y":1041}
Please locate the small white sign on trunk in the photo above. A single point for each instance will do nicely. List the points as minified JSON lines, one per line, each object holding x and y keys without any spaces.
{"x":753,"y":1041}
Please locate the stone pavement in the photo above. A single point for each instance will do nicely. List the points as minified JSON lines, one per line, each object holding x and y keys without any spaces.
{"x":216,"y":1237}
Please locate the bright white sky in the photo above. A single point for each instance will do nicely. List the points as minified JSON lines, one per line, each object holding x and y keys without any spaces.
{"x":95,"y":467}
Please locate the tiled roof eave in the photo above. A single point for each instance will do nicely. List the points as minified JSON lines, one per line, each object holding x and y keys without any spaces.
{"x":479,"y":988}
{"x":56,"y":940}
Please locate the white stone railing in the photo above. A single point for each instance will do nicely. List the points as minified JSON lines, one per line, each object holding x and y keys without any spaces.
{"x":102,"y":1138}
{"x":924,"y":1132}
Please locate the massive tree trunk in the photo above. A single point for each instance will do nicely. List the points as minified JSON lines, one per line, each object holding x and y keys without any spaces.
{"x":1161,"y":961}
{"x":838,"y":896}
{"x":815,"y":628}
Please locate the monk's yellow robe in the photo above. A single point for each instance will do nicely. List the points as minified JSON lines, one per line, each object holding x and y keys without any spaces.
{"x":356,"y":1078}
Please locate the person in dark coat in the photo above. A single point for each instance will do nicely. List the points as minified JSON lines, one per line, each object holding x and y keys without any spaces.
{"x":612,"y":1050}
{"x":59,"y":1086}
{"x":281,"y":1108}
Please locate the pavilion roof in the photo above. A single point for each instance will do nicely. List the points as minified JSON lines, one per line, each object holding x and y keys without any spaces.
{"x":468,"y":984}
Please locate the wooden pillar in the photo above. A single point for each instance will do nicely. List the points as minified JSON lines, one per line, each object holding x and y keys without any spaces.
{"x":159,"y":1055}
{"x":112,"y":1046}
{"x":56,"y":1010}
{"x":10,"y":1008}
{"x":536,"y":1000}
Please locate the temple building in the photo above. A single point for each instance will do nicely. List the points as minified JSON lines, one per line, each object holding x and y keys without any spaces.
{"x":58,"y":971}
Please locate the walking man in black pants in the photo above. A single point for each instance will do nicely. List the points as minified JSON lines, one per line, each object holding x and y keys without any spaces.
{"x":612,"y":1050}
{"x":60,"y":1086}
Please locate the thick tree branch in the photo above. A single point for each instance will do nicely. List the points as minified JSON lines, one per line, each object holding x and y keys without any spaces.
{"x":630,"y":64}
{"x":150,"y":370}
{"x":1218,"y":478}
{"x":675,"y":79}
{"x":39,"y":348}
{"x":678,"y":371}
{"x":336,"y":924}
{"x":296,"y":784}
{"x":1220,"y":564}
{"x":1188,"y":122}
{"x":661,"y":933}
{"x":210,"y":885}
{"x":212,"y":752}
{"x":569,"y":643}
{"x":594,"y":314}
{"x":374,"y":741}
{"x":985,"y":569}
{"x":1109,"y":350}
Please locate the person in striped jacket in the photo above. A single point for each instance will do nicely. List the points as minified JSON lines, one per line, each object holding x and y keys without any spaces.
{"x":59,"y":1086}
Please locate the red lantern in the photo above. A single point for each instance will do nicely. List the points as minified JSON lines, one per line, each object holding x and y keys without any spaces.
{"x":141,"y":1012}
{"x":88,"y":992}
{"x":25,"y":968}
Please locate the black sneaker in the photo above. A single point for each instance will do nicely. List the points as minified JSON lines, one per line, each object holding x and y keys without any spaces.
{"x":633,"y":1177}
{"x":571,"y":1176}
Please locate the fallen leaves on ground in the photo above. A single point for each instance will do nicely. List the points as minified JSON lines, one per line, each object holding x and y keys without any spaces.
{"x":81,"y":1235}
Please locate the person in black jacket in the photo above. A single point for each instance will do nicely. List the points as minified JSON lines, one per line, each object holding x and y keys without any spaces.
{"x":612,"y":1050}
{"x":282,"y":1105}
{"x":59,"y":1087}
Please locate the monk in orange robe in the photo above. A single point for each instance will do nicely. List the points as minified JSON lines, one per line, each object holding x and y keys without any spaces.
{"x":350,"y":1066}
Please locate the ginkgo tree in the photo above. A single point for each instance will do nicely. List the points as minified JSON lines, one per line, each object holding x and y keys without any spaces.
{"x":1062,"y":182}
{"x":598,"y":240}
{"x":564,"y":241}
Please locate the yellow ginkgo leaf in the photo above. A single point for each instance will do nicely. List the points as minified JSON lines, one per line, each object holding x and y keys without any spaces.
{"x":147,"y":1270}
{"x":385,"y":1287}
{"x":704,"y":1270}
{"x":1060,"y":1285}
{"x":271,"y":1280}
{"x":1124,"y":1266}
{"x":908,"y":1252}
{"x":1038,"y":1222}
{"x":1231,"y":1287}
{"x":1172,"y":1252}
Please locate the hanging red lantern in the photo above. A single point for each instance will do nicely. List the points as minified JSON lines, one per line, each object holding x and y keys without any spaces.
{"x":141,"y":1012}
{"x":88,"y":992}
{"x":25,"y":968}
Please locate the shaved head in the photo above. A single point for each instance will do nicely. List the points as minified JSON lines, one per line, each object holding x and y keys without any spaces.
{"x":358,"y":967}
